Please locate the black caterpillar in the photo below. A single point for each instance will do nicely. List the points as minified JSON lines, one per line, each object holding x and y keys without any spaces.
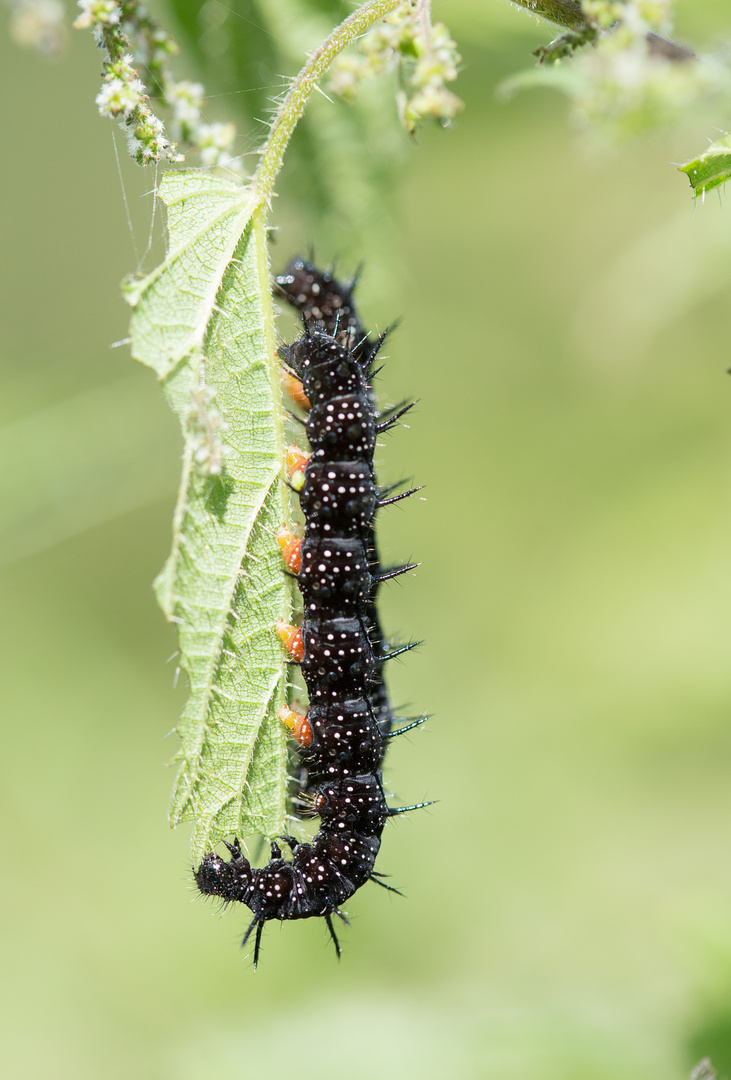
{"x":328,"y":305}
{"x":340,"y":646}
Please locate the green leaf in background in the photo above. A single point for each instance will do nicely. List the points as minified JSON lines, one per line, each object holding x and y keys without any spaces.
{"x":710,"y":169}
{"x":223,"y":583}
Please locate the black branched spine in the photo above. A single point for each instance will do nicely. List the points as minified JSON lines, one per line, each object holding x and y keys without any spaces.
{"x":349,"y":716}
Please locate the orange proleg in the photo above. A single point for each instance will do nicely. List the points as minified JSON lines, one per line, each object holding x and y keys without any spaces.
{"x":291,"y":546}
{"x":296,"y":462}
{"x":297,"y":723}
{"x":295,"y":389}
{"x":291,"y":638}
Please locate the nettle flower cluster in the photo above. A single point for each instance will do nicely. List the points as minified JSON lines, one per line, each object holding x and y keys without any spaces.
{"x":133,"y":42}
{"x":631,"y":79}
{"x":641,"y":15}
{"x":424,"y":54}
{"x":635,"y":77}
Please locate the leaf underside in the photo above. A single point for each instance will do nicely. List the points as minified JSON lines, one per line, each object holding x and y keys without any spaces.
{"x":204,"y":321}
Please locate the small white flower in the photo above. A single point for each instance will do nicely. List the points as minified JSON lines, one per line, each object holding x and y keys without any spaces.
{"x":124,"y":96}
{"x":97,"y":13}
{"x":156,"y":124}
{"x":426,"y":54}
{"x":134,"y":147}
{"x":118,"y":98}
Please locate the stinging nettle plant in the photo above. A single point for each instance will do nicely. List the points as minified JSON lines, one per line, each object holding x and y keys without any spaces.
{"x":203,"y":320}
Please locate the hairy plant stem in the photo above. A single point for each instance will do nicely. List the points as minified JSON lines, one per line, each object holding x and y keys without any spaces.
{"x":294,"y":103}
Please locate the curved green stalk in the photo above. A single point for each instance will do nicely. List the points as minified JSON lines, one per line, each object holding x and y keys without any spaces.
{"x":294,"y":103}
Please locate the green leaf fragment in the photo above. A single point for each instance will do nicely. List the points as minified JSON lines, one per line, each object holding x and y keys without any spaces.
{"x":206,"y":217}
{"x":223,"y":584}
{"x":711,"y":168}
{"x":564,"y":12}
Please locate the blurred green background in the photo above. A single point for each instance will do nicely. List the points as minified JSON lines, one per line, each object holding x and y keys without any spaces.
{"x":568,"y":910}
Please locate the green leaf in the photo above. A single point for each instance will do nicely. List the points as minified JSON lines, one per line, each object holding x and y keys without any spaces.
{"x":206,"y":217}
{"x":710,"y":169}
{"x":204,"y":321}
{"x":564,"y":12}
